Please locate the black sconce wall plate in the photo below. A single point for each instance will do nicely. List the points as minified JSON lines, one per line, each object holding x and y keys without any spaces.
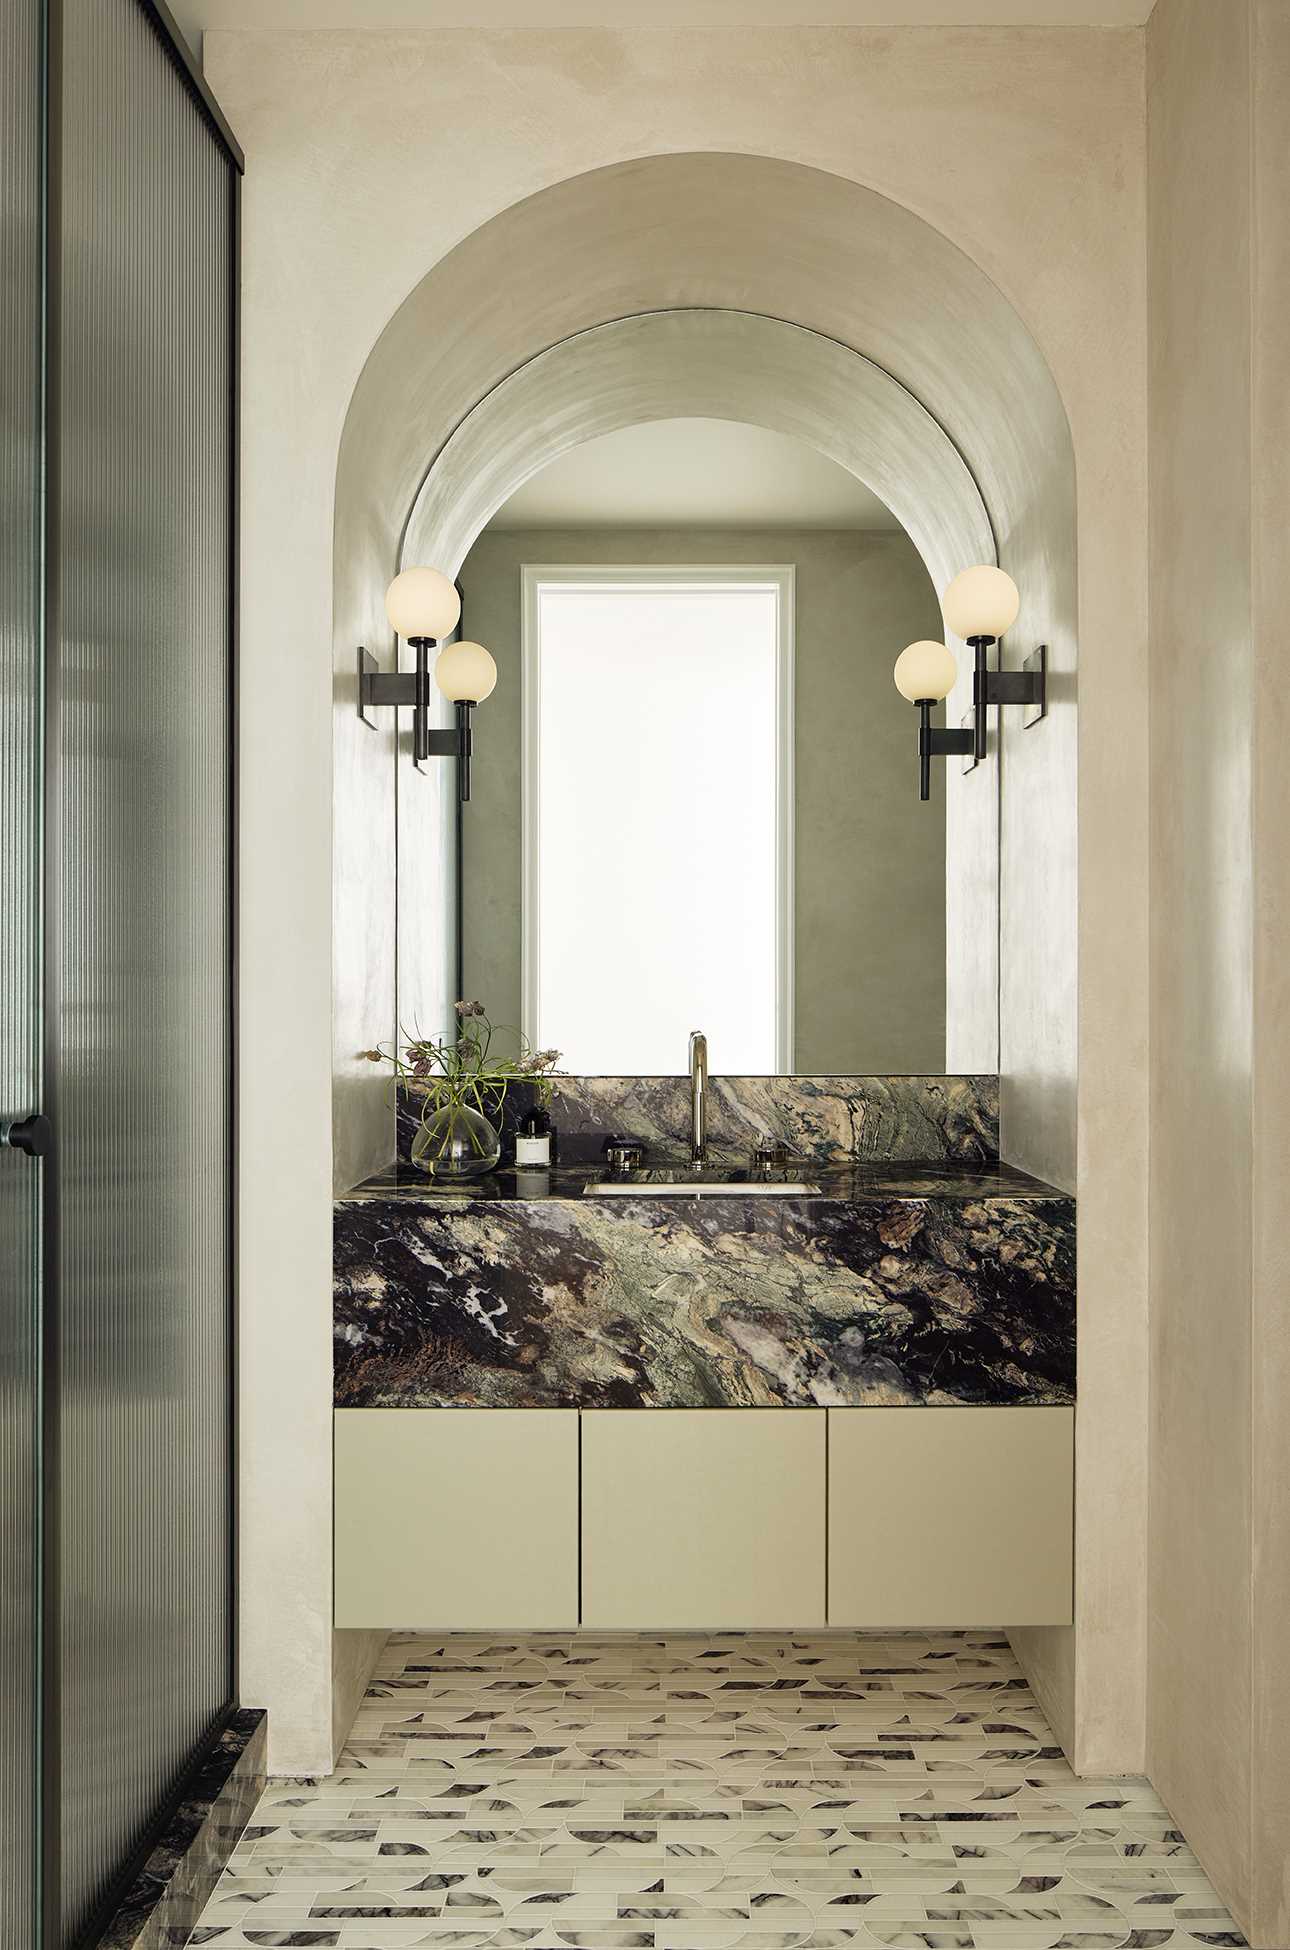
{"x":1027,"y":686}
{"x":967,"y":725}
{"x":1036,"y":666}
{"x":376,"y":688}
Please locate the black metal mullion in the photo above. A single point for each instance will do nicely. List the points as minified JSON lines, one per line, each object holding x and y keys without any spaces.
{"x":234,"y":657}
{"x":49,"y":1584}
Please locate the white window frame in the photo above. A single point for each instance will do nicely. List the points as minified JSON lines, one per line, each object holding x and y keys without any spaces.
{"x":779,"y":577}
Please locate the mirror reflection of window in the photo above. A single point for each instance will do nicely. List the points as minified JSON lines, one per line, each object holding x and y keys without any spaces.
{"x":658,"y":816}
{"x":660,"y":867}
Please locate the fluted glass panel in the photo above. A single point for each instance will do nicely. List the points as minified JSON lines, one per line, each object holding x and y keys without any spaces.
{"x":143,"y":637}
{"x":21,"y":263}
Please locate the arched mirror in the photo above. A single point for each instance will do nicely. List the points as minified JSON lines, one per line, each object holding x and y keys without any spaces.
{"x":695,"y":543}
{"x":698,"y":800}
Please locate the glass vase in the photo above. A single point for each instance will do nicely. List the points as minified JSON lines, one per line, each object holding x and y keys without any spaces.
{"x":455,"y":1141}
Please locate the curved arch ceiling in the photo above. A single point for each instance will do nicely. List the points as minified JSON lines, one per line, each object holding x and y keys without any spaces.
{"x":722,"y":365}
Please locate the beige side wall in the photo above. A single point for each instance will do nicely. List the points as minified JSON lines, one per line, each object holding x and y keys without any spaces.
{"x":870,"y":859}
{"x":353,"y":1660}
{"x":1219,"y":1675}
{"x":371,"y":155}
{"x":1201,"y":904}
{"x":1043,"y":914}
{"x":284,"y":1090}
{"x":1270,"y":593}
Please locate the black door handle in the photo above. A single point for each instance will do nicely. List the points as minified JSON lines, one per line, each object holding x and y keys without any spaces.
{"x":30,"y":1134}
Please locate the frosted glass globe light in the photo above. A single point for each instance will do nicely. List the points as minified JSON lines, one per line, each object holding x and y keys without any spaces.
{"x":981,"y":602}
{"x":465,"y":672}
{"x":422,"y":602}
{"x":925,"y":670}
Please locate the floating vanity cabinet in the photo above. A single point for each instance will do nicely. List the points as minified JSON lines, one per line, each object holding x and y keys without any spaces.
{"x":457,"y":1518}
{"x":466,"y":1519}
{"x":951,"y":1516}
{"x":703,"y":1517}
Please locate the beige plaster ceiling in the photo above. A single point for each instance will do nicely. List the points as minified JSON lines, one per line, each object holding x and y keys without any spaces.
{"x":694,"y":473}
{"x":195,"y":15}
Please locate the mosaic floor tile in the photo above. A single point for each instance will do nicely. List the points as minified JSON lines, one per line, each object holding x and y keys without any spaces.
{"x":803,"y":1791}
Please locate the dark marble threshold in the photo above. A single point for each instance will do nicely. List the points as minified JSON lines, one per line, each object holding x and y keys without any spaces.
{"x":161,"y":1908}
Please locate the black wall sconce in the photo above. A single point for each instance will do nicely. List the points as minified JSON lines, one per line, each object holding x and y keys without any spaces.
{"x":925,"y":673}
{"x":423,"y":606}
{"x":979,"y":605}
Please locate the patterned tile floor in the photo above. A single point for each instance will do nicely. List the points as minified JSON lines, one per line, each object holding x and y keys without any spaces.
{"x":701,"y":1793}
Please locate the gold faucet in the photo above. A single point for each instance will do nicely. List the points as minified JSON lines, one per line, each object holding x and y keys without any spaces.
{"x":698,"y":1096}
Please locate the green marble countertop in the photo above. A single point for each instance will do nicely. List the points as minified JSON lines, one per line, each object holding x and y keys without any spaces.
{"x":846,"y":1184}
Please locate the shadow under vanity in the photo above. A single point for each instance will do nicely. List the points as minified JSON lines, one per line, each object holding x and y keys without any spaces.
{"x":894,"y":1353}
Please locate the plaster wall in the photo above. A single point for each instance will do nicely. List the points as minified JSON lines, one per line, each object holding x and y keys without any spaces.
{"x":1270,"y":1325}
{"x":1219,"y":1674}
{"x":1202,"y":895}
{"x":870,"y":949}
{"x":284,"y":1086}
{"x":371,"y":156}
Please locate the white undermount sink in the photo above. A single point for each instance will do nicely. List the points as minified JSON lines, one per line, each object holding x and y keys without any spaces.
{"x":702,"y":1181}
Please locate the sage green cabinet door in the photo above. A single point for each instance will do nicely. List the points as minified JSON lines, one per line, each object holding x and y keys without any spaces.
{"x":703,"y":1517}
{"x":457,"y":1519}
{"x":951,"y":1516}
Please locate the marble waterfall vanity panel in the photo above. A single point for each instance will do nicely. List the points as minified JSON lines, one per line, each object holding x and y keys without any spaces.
{"x":938,"y":1285}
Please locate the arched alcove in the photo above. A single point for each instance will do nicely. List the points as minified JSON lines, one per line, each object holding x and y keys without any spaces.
{"x":937,"y":357}
{"x":929,"y":368}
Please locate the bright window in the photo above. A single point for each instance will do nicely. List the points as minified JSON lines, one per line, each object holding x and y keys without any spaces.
{"x":658,"y":817}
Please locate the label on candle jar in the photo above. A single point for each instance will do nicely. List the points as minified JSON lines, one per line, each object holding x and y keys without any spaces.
{"x":533,"y":1150}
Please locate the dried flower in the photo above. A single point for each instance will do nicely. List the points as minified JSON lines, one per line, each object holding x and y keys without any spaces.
{"x":465,"y":1069}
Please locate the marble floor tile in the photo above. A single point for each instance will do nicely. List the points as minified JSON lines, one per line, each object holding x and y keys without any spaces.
{"x":803,"y":1791}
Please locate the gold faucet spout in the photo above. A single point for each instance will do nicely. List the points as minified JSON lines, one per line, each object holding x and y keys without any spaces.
{"x":698,"y":1096}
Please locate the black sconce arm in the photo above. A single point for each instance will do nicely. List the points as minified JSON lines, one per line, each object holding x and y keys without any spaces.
{"x":410,"y":689}
{"x":936,"y":741}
